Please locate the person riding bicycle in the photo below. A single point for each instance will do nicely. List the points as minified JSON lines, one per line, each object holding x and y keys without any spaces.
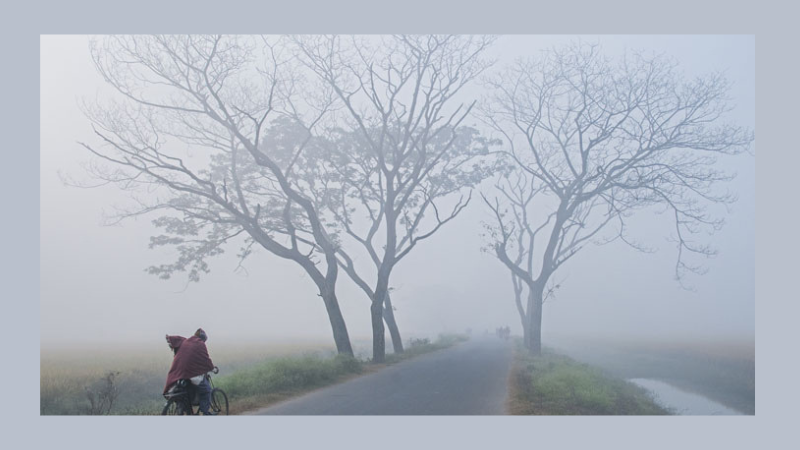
{"x":191,"y":362}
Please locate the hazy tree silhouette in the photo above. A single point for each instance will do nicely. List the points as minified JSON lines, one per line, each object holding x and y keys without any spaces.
{"x":592,"y":140}
{"x":399,"y":148}
{"x":196,"y":127}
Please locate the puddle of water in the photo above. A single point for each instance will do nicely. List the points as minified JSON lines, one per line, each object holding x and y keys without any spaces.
{"x":682,"y":402}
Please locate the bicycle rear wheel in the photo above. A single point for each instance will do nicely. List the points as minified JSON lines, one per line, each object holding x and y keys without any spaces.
{"x":219,"y":401}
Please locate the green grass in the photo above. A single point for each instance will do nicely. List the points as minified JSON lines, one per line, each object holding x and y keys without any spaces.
{"x":723,"y":371}
{"x":553,"y":384}
{"x":282,"y":376}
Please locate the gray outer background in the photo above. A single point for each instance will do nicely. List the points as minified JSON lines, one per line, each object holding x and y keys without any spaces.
{"x":776,"y":417}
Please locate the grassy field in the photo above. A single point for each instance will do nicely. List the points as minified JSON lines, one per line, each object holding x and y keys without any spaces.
{"x":252,"y":376}
{"x":554,"y":384}
{"x":723,"y":371}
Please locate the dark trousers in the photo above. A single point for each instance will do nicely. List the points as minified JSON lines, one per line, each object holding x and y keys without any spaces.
{"x":204,"y":395}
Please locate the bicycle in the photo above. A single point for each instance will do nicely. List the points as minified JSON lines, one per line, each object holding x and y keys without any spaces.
{"x":179,"y":404}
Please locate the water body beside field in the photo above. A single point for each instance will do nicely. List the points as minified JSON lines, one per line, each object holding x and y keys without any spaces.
{"x":682,"y":402}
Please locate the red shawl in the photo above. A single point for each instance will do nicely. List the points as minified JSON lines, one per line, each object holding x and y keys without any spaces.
{"x":191,"y":359}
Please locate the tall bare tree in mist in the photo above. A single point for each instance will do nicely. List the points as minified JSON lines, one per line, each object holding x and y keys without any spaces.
{"x":200,"y":131}
{"x":398,"y":151}
{"x":592,"y":140}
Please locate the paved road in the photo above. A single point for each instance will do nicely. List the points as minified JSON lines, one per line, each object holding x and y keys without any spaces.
{"x":469,"y":378}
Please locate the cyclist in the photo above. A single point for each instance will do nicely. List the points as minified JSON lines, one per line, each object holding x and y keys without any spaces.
{"x":191,"y":362}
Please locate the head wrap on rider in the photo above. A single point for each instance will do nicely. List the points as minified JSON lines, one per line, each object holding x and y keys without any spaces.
{"x":201,"y":334}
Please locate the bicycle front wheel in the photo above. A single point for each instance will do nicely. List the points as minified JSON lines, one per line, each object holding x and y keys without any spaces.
{"x":219,"y":401}
{"x":174,"y":407}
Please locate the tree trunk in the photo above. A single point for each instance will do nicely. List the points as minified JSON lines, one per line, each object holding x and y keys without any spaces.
{"x":378,"y":340}
{"x":525,"y":332}
{"x":536,"y":330}
{"x":526,"y":328}
{"x":527,"y":335}
{"x":340,"y":335}
{"x":534,"y":341}
{"x":380,"y":294}
{"x":523,"y":318}
{"x":391,"y":324}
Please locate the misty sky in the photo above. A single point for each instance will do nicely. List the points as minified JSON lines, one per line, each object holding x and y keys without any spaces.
{"x":93,"y":283}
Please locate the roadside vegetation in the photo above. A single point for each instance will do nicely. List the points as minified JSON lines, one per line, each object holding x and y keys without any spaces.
{"x":723,"y":370}
{"x":553,"y":384}
{"x":252,"y":377}
{"x":283,"y":378}
{"x":277,"y":379}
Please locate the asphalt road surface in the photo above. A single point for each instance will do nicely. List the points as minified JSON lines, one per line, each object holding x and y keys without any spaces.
{"x":469,"y":378}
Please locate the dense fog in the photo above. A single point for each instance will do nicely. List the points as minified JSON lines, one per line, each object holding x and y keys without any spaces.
{"x":95,"y":289}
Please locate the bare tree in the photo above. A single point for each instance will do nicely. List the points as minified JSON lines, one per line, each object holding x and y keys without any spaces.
{"x":352,"y":166}
{"x":199,"y":130}
{"x":103,"y":394}
{"x":598,"y":139}
{"x":402,"y":148}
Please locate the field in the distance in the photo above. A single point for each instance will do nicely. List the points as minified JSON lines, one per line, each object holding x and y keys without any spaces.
{"x":67,"y":373}
{"x":253,"y":374}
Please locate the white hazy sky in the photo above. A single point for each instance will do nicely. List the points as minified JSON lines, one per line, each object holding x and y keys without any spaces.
{"x":93,"y":283}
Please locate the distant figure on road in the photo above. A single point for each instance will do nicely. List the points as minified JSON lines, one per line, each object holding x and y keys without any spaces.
{"x":503,"y":332}
{"x":191,"y":362}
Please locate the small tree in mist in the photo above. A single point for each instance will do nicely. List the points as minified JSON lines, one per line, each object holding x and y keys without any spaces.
{"x":398,"y":149}
{"x":103,"y":394}
{"x":199,"y":134}
{"x":595,"y":140}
